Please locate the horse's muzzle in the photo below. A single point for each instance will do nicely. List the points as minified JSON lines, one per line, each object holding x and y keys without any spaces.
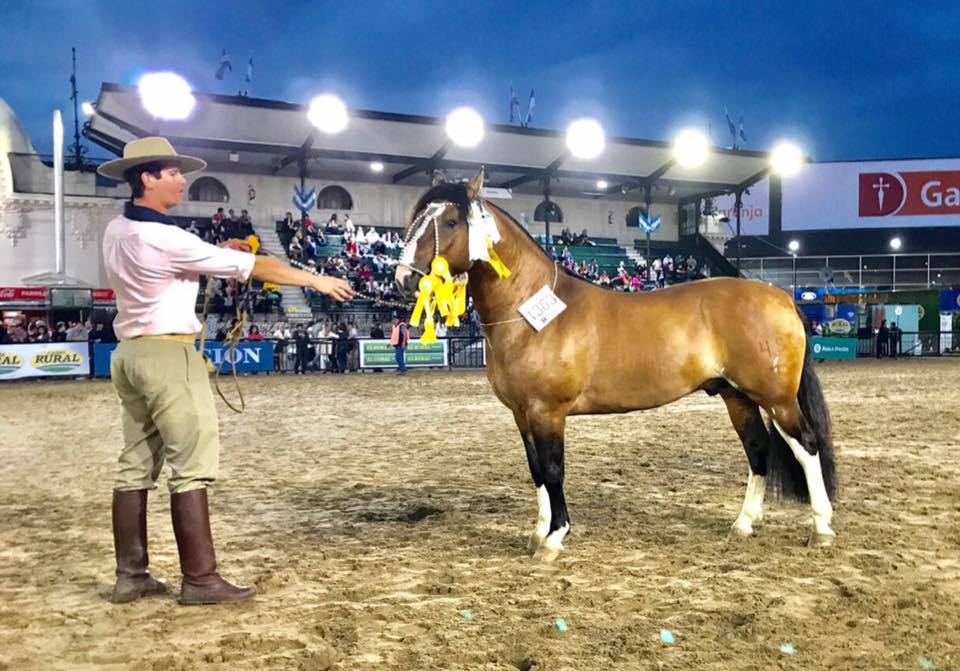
{"x":407,"y":281}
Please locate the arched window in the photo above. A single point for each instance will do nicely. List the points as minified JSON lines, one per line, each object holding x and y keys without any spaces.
{"x":209,"y":190}
{"x":334,"y":198}
{"x":633,"y":217}
{"x":556,"y":214}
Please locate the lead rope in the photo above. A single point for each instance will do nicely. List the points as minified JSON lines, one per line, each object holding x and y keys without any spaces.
{"x":233,"y":338}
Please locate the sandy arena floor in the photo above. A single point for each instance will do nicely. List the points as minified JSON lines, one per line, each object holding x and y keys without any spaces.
{"x":384,"y":522}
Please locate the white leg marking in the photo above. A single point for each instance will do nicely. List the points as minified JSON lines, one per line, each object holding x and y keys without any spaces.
{"x":543,"y":520}
{"x":822,"y":510}
{"x":555,"y":540}
{"x":551,"y":548}
{"x":544,"y":514}
{"x":752,"y":510}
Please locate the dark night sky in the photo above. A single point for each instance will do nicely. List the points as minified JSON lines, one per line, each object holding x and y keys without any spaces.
{"x":844,"y":79}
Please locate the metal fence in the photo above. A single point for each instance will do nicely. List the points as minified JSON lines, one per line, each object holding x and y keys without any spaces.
{"x":914,"y":343}
{"x":876,"y":272}
{"x":332,"y":355}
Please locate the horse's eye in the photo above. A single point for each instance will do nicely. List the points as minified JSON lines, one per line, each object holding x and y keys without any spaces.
{"x":451,"y":223}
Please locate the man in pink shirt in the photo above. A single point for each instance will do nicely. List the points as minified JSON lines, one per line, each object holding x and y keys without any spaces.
{"x":167,"y":408}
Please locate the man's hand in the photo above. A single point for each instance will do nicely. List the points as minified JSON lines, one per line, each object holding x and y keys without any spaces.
{"x":238,"y":245}
{"x":334,"y":287}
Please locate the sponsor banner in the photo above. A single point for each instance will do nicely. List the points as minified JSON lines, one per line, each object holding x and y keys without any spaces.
{"x":754,"y":210}
{"x":251,"y":356}
{"x":104,"y":296}
{"x":24,"y":294}
{"x":950,"y":300}
{"x":873,"y":194}
{"x":47,"y":360}
{"x":379,"y":354}
{"x":946,"y":333}
{"x":834,"y":348}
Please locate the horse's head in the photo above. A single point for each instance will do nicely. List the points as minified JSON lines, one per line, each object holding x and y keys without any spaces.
{"x":438,"y":228}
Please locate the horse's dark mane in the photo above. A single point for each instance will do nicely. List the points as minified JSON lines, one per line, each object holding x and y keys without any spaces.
{"x":543,"y":251}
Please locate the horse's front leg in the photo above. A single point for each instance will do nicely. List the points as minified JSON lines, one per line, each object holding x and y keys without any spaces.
{"x":542,"y":527}
{"x":547,"y":433}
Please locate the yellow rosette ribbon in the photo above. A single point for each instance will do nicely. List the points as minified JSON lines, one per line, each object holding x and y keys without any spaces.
{"x":441,"y":292}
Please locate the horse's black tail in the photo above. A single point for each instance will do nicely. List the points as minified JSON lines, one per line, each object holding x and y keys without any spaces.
{"x":784,"y":473}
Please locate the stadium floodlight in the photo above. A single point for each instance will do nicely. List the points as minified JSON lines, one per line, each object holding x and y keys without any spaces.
{"x":166,"y":95}
{"x":896,"y":244}
{"x":691,"y":148}
{"x":87,"y":108}
{"x":585,"y":138}
{"x":465,"y":127}
{"x":328,"y":113}
{"x":786,"y":159}
{"x":376,"y":166}
{"x":602,"y":184}
{"x":793,"y":246}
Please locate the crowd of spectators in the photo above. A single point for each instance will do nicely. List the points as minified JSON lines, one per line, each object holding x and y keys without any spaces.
{"x":638,"y":276}
{"x":25,"y":331}
{"x":365,"y":259}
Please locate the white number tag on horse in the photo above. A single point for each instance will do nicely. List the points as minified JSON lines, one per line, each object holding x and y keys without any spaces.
{"x":542,"y":308}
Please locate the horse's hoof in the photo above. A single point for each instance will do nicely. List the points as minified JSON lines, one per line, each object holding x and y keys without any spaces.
{"x":534,"y":543}
{"x":546,"y":553}
{"x":821,"y":540}
{"x":738,"y":532}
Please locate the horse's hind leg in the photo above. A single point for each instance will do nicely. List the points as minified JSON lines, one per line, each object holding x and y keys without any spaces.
{"x":746,"y":418}
{"x":786,"y":419}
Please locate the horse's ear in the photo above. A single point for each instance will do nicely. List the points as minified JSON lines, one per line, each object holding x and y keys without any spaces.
{"x":473,"y":189}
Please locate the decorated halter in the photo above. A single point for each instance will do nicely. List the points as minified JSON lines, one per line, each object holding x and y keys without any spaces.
{"x":438,"y":290}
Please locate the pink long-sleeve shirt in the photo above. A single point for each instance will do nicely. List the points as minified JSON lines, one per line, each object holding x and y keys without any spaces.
{"x":155,"y":269}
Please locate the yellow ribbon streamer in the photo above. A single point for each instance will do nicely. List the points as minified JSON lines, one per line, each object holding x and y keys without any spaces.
{"x":496,"y":262}
{"x":439,"y":291}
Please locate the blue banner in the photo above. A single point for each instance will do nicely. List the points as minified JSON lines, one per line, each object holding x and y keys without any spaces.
{"x":834,"y":348}
{"x":950,"y":300}
{"x":252,"y":356}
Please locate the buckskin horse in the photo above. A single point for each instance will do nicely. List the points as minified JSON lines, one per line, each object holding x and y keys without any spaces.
{"x":740,"y":339}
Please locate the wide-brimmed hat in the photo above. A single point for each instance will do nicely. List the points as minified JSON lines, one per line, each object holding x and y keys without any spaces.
{"x":149,"y":150}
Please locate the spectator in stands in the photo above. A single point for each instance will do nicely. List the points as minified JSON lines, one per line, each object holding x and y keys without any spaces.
{"x":60,"y":333}
{"x":348,"y":226}
{"x":883,"y":339}
{"x":254,"y":333}
{"x":333,"y":227}
{"x":246,"y":225}
{"x":295,"y":250}
{"x":583,"y":239}
{"x":376,"y":332}
{"x":5,"y":338}
{"x":217,"y":219}
{"x":399,"y":339}
{"x":394,"y":241}
{"x":97,"y":334}
{"x":75,"y":332}
{"x":192,"y":228}
{"x":593,"y":269}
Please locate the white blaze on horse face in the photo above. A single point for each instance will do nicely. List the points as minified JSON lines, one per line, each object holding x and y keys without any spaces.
{"x":752,"y":510}
{"x":819,"y":501}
